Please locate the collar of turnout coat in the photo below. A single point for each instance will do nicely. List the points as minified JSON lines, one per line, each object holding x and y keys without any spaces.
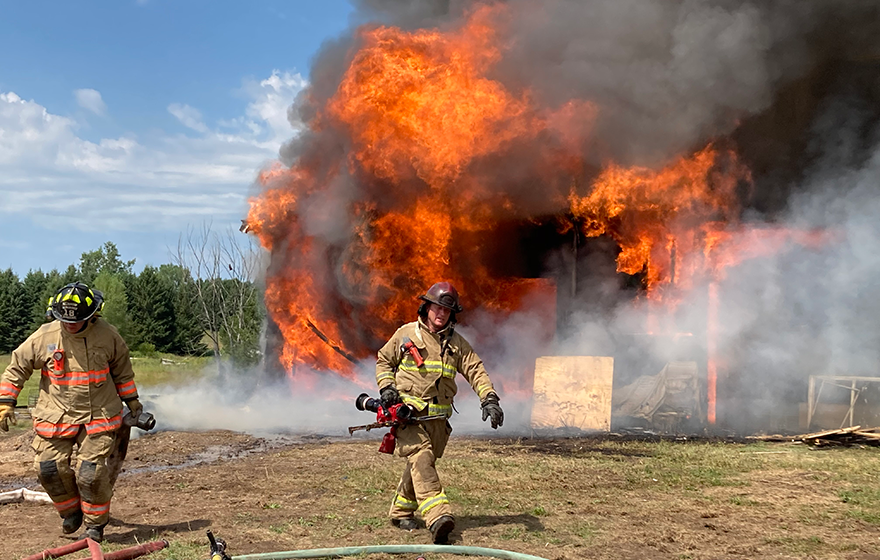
{"x":81,"y":334}
{"x":445,"y":331}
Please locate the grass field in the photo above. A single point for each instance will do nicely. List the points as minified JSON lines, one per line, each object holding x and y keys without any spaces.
{"x":561,"y":499}
{"x":557,"y":499}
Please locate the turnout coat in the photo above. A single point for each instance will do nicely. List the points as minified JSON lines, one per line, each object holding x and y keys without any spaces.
{"x":86,"y":386}
{"x":431,"y":386}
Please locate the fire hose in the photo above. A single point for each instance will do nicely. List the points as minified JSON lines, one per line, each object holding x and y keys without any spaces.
{"x":390,"y":549}
{"x":218,"y":551}
{"x":95,"y":551}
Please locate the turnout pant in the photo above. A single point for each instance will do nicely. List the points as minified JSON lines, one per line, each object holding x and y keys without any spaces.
{"x":419,"y":489}
{"x":88,"y":489}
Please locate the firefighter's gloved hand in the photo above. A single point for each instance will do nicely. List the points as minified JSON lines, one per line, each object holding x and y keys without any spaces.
{"x":389,"y":397}
{"x":135,"y":407}
{"x":491,"y":409}
{"x":7,"y":414}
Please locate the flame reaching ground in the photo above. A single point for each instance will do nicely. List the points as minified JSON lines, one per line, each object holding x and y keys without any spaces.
{"x":421,"y":154}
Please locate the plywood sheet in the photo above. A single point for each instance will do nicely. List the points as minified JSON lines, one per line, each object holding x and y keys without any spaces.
{"x":573,"y":392}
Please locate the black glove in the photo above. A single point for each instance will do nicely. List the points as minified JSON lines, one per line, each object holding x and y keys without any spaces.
{"x":389,"y":397}
{"x":491,"y":409}
{"x":135,"y":407}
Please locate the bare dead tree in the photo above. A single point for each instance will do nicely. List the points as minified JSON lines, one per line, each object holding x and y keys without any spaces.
{"x":221,"y":270}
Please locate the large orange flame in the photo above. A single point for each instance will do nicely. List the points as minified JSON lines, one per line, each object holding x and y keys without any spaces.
{"x":420,"y":103}
{"x":655,"y":215}
{"x":420,"y":112}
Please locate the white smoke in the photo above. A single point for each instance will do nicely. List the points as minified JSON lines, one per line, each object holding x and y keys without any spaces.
{"x":247,"y":401}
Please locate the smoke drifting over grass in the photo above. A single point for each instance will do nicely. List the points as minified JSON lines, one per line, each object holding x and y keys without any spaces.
{"x":238,"y":402}
{"x":248,"y":401}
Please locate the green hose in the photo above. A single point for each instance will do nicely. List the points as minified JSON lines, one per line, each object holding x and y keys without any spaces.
{"x":389,"y":549}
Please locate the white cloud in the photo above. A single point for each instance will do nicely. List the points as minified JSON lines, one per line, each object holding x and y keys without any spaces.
{"x":272,"y":99}
{"x":266,"y":114}
{"x":188,"y":116}
{"x":90,"y":100}
{"x":139,"y":182}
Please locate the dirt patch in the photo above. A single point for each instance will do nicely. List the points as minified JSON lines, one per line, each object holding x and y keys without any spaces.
{"x":559,"y":499}
{"x":16,"y":459}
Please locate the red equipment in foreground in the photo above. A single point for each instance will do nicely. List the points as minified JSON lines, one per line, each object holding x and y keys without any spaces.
{"x":390,"y":417}
{"x":409,"y":346}
{"x":95,"y":552}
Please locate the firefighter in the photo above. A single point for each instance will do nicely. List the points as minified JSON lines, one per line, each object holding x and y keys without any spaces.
{"x":86,"y":377}
{"x":429,"y":389}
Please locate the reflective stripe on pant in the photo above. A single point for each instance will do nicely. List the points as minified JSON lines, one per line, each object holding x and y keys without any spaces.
{"x":419,"y":488}
{"x":89,"y":489}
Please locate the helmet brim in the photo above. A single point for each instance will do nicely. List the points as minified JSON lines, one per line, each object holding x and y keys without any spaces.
{"x":71,"y":321}
{"x":454,"y":308}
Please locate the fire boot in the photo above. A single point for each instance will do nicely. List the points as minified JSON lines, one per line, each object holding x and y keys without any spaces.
{"x":405,"y":523}
{"x":72,"y":522}
{"x":94,"y":532}
{"x":441,"y":528}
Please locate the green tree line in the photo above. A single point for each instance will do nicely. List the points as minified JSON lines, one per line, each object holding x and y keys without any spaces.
{"x":161,"y":309}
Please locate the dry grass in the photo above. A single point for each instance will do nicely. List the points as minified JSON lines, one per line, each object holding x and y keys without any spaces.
{"x":557,"y":499}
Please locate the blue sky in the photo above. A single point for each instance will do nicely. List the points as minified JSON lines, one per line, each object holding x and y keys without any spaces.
{"x":130,"y":120}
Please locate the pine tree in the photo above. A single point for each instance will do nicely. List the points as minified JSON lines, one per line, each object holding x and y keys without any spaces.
{"x":151,"y":308}
{"x":14,"y":312}
{"x":188,"y":329}
{"x":35,"y":285}
{"x":243,"y":319}
{"x":115,"y":310}
{"x":69,"y":276}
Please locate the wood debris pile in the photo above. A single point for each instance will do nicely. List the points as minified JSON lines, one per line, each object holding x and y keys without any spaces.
{"x":847,"y":436}
{"x":854,"y":435}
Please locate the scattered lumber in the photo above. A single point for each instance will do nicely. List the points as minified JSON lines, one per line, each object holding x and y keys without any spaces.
{"x":853,"y":435}
{"x":773,"y":438}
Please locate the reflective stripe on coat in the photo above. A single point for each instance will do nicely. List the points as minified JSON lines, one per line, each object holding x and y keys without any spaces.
{"x":86,"y":387}
{"x":431,"y":386}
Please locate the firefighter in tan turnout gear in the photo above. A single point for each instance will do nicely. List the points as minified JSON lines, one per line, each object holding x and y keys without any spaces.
{"x":429,"y":389}
{"x":86,"y":376}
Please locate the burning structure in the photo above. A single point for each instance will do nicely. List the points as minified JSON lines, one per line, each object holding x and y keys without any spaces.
{"x":627,"y":179}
